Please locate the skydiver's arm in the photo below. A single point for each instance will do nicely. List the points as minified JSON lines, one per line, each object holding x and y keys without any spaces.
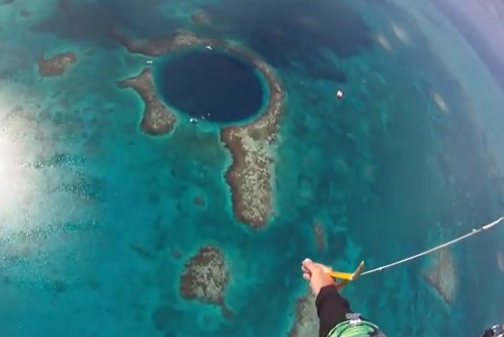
{"x":331,"y":309}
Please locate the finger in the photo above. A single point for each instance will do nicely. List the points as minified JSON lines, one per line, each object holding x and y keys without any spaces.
{"x":307,"y":262}
{"x":304,"y":269}
{"x":306,"y":276}
{"x":309,"y":265}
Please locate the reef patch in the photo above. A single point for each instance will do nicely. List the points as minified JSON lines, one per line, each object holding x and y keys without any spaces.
{"x":157,"y":118}
{"x":56,"y":65}
{"x":318,"y":231}
{"x":200,"y":17}
{"x":306,"y":323}
{"x":205,"y":278}
{"x":442,"y":276}
{"x":251,"y":145}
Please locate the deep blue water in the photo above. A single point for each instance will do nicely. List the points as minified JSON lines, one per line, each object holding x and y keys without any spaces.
{"x":99,"y":220}
{"x":211,"y":85}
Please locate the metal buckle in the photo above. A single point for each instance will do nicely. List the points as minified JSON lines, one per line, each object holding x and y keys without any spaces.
{"x":353,"y":318}
{"x":497,"y":330}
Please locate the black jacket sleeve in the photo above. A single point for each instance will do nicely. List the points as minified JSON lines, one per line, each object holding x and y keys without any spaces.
{"x":488,"y":333}
{"x":331,"y":309}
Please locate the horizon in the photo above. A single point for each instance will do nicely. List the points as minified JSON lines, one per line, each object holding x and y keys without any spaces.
{"x":479,"y":23}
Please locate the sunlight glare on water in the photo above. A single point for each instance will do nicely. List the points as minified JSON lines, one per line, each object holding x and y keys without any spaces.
{"x":15,"y":180}
{"x":36,"y":203}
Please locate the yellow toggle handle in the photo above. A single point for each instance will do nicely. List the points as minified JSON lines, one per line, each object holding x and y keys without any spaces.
{"x":340,"y":275}
{"x":346,"y":277}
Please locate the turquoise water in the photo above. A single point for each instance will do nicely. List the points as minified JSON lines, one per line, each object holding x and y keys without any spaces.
{"x":99,"y":221}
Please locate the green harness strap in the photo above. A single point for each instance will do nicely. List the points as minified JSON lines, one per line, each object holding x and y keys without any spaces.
{"x":353,"y":328}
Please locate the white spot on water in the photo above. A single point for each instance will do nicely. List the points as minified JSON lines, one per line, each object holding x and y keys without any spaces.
{"x":382,"y":41}
{"x":440,"y":102}
{"x":400,"y":33}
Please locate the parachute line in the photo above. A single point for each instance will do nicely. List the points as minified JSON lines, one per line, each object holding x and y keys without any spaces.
{"x":444,"y":245}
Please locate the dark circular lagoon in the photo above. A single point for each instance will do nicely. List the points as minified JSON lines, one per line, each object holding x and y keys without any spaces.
{"x":211,"y":85}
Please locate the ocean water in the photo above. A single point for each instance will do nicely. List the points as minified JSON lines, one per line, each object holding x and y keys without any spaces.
{"x":211,"y":85}
{"x":101,"y":223}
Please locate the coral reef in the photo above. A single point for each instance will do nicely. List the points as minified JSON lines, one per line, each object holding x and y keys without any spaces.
{"x":318,"y":231}
{"x":306,"y":322}
{"x":200,"y":17}
{"x":56,"y":65}
{"x":250,"y":175}
{"x":157,"y":118}
{"x":442,"y":275}
{"x":250,"y":145}
{"x":205,"y":278}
